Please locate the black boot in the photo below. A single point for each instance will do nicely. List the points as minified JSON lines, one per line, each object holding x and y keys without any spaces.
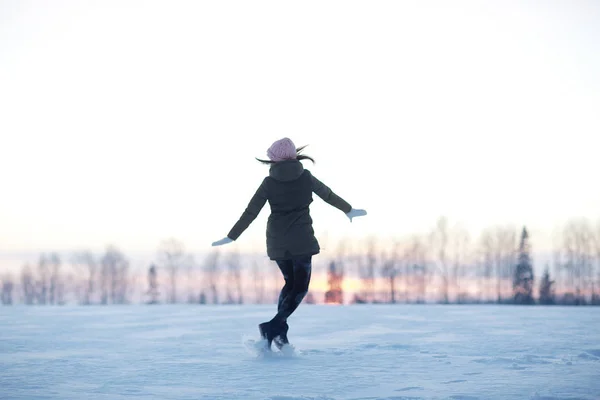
{"x":274,"y":331}
{"x":266,"y":332}
{"x":281,"y":338}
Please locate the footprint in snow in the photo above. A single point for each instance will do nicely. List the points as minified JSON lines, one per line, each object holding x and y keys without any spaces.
{"x":299,"y":398}
{"x":591,"y":355}
{"x":312,"y":352}
{"x":405,"y":389}
{"x":594,"y":352}
{"x":517,"y":367}
{"x":455,"y":381}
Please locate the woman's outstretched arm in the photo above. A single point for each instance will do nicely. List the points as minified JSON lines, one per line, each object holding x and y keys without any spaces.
{"x":325,"y":193}
{"x":256,"y":204}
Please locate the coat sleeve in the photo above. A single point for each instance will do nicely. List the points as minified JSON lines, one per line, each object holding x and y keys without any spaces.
{"x":256,"y":204}
{"x":325,"y":193}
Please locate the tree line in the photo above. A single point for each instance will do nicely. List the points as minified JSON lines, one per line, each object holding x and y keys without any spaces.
{"x":443,"y":265}
{"x":446,"y":266}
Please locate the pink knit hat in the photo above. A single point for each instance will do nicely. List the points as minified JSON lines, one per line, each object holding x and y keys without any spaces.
{"x":283,"y":149}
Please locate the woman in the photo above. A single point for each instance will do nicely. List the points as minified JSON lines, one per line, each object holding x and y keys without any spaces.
{"x":291,"y":242}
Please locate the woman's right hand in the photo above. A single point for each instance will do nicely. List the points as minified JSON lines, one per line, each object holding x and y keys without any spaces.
{"x":355,"y":213}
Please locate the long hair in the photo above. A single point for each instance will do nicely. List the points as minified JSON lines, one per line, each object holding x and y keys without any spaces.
{"x":299,"y":156}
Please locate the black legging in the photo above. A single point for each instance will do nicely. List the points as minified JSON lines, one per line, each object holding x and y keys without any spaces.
{"x":296,"y":273}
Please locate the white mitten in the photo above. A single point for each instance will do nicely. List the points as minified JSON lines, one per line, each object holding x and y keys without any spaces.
{"x":355,"y":213}
{"x":225,"y":240}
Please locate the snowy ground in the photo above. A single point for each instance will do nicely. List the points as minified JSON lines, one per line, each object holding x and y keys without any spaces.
{"x":352,"y":352}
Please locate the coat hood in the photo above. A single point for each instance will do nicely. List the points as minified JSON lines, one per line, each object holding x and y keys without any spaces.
{"x":287,"y":170}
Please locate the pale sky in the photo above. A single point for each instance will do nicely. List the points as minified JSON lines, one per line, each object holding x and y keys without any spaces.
{"x":129,"y":122}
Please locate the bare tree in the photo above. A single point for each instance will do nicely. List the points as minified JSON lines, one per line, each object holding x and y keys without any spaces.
{"x":558,"y":267}
{"x":391,"y":268}
{"x":28,"y":285}
{"x":578,"y":244}
{"x":486,"y":264}
{"x":406,"y":270}
{"x":6,"y":296}
{"x":42,"y":282}
{"x":191,"y":278}
{"x":103,"y":282}
{"x":278,"y":282}
{"x":212,"y":274}
{"x":172,"y":257}
{"x":152,"y":285}
{"x":570,"y":254}
{"x":86,"y":266}
{"x":56,"y":289}
{"x":439,"y":245}
{"x":504,"y":247}
{"x":460,"y":259}
{"x":114,"y":276}
{"x":419,"y":272}
{"x":258,"y":280}
{"x":366,"y":272}
{"x":234,"y":272}
{"x":509,"y":259}
{"x":596,"y":278}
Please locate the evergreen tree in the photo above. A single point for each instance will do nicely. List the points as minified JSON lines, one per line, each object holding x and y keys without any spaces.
{"x":335,"y":278}
{"x":523,"y":278}
{"x":546,"y":289}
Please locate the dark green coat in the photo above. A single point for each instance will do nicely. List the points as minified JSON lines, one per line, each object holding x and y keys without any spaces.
{"x":288,"y":189}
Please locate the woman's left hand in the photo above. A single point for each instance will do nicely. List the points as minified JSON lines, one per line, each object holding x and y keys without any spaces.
{"x":225,"y":240}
